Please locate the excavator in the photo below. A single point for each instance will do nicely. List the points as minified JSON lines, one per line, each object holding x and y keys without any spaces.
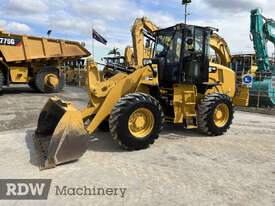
{"x":258,"y":65}
{"x":141,"y":28}
{"x":177,"y":85}
{"x":262,"y":30}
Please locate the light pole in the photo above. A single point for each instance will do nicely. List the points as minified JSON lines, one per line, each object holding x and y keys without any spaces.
{"x":185,"y":2}
{"x":49,"y":33}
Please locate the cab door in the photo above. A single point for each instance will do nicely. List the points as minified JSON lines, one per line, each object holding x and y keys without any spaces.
{"x":196,"y":55}
{"x":168,"y":51}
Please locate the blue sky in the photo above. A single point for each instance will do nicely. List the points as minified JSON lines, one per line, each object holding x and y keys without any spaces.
{"x":74,"y":19}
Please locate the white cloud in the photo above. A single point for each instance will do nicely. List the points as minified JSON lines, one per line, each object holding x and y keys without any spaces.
{"x":64,"y":23}
{"x":73,"y":19}
{"x":26,"y":7}
{"x":235,"y":5}
{"x":236,"y":35}
{"x":15,"y":27}
{"x":109,"y":9}
{"x":156,"y":2}
{"x":232,"y":18}
{"x":158,"y":18}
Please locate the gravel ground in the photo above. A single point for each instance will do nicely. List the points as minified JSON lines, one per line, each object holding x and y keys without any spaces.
{"x":183,"y":167}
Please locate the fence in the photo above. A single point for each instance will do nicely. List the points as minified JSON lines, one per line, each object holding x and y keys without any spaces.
{"x":261,"y":88}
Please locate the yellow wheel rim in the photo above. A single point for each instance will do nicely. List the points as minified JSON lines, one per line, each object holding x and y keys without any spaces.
{"x":51,"y":80}
{"x":141,"y":122}
{"x":221,"y":115}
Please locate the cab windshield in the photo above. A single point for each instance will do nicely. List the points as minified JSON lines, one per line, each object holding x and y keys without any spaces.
{"x":163,"y":42}
{"x":168,"y":44}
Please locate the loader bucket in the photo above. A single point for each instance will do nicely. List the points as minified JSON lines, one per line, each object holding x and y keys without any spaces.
{"x":60,"y":135}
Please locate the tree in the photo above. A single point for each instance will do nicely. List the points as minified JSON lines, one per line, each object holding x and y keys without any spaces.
{"x":114,"y":51}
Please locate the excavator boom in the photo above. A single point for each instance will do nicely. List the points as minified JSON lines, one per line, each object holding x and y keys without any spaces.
{"x":219,"y":45}
{"x":138,"y":28}
{"x":262,"y":30}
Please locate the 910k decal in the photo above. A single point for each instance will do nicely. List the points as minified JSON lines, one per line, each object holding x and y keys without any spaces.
{"x":10,"y":41}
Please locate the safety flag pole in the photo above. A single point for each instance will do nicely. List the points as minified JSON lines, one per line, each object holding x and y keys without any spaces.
{"x":99,"y":38}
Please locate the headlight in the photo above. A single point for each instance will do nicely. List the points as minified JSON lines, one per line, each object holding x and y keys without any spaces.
{"x":213,"y":69}
{"x":147,"y":61}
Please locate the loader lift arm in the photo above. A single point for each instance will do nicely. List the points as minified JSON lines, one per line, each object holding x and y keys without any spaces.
{"x":61,"y":125}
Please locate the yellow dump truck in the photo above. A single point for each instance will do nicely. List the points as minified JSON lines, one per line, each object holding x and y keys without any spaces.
{"x":36,"y":60}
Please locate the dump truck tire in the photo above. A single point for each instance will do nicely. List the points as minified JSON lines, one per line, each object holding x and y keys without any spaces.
{"x":2,"y":80}
{"x":136,"y":121}
{"x":42,"y":77}
{"x":32,"y":85}
{"x":215,"y":114}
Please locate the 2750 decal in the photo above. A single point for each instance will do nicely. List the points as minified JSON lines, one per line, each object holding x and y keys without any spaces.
{"x":10,"y":41}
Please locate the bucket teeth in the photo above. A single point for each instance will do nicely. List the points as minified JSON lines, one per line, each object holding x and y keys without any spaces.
{"x":41,"y":147}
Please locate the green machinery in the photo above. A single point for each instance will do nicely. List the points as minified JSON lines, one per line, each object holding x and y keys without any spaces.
{"x":262,"y":30}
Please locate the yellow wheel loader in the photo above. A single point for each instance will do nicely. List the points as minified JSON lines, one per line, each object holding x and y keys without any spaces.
{"x":177,"y":85}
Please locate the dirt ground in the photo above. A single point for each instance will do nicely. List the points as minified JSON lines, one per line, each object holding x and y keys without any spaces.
{"x":183,"y":167}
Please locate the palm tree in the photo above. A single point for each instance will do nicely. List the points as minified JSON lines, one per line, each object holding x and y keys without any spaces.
{"x":114,"y":51}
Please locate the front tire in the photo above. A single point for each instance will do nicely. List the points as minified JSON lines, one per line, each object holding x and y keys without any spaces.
{"x":136,"y":121}
{"x":48,"y":80}
{"x":215,"y":114}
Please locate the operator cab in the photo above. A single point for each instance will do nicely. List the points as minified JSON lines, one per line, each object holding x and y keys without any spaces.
{"x":182,"y":55}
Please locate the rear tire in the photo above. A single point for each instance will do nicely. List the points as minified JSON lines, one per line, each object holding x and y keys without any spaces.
{"x":32,"y":85}
{"x":215,"y":114}
{"x":42,"y":75}
{"x":136,"y":121}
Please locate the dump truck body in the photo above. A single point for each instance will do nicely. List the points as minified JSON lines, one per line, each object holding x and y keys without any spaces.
{"x":22,"y":57}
